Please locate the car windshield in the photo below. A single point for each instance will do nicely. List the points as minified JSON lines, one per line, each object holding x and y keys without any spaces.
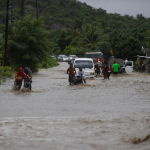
{"x":89,"y":55}
{"x":83,"y":64}
{"x":97,"y":55}
{"x":65,"y":57}
{"x":74,"y":56}
{"x":128,"y":64}
{"x":94,"y":55}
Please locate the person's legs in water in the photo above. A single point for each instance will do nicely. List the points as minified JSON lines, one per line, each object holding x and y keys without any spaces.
{"x":108,"y":75}
{"x":70,"y":79}
{"x":115,"y":73}
{"x":105,"y":74}
{"x":98,"y":72}
{"x":84,"y":79}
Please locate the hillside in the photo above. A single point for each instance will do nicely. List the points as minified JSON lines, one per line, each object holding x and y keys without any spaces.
{"x":59,"y":14}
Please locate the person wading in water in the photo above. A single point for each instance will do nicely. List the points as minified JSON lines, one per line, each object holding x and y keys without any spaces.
{"x":105,"y":70}
{"x":71,"y":72}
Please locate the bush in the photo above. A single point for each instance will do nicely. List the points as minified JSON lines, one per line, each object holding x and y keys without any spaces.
{"x":5,"y":72}
{"x":48,"y":63}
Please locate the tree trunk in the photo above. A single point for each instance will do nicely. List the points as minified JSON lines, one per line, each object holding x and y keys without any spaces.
{"x":6,"y":33}
{"x":37,"y":15}
{"x":22,"y":8}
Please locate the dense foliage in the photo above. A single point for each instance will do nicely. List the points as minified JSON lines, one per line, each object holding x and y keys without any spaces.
{"x":127,"y":43}
{"x":148,"y":37}
{"x":59,"y":14}
{"x":28,"y":44}
{"x":76,"y":27}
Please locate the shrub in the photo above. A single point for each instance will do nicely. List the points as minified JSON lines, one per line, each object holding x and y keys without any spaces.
{"x":5,"y":72}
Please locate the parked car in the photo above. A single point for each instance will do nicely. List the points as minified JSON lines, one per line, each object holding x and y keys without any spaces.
{"x":59,"y":56}
{"x":65,"y":58}
{"x":87,"y":64}
{"x":72,"y":57}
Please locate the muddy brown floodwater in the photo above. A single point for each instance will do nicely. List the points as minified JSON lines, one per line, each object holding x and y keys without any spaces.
{"x":102,"y":115}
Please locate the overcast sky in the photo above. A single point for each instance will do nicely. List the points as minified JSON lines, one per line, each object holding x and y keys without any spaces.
{"x":130,"y":7}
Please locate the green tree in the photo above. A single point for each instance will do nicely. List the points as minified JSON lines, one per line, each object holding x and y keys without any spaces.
{"x":87,"y":37}
{"x":69,"y":50}
{"x":105,"y":48}
{"x":62,"y":41}
{"x":148,"y":37}
{"x":127,"y":43}
{"x":28,"y":44}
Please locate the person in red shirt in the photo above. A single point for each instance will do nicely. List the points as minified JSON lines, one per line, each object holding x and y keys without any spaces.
{"x":19,"y":77}
{"x":109,"y":71}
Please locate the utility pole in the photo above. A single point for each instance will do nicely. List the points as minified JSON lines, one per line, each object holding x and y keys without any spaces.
{"x":6,"y":33}
{"x":22,"y":8}
{"x":37,"y":15}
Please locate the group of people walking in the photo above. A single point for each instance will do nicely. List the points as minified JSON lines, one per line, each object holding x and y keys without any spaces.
{"x":106,"y":70}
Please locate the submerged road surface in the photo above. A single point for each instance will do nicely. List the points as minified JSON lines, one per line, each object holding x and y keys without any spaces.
{"x":101,"y":115}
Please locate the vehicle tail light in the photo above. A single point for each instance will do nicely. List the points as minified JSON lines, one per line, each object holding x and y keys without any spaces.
{"x":99,"y":59}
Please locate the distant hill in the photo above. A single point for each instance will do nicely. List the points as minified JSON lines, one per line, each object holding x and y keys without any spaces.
{"x":59,"y":14}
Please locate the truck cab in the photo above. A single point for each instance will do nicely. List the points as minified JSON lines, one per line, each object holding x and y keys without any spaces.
{"x":96,"y":56}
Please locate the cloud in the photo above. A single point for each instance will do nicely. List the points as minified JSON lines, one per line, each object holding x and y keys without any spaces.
{"x":130,"y":7}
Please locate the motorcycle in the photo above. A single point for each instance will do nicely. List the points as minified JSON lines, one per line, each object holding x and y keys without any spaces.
{"x":77,"y":80}
{"x":17,"y":86}
{"x":27,"y":83}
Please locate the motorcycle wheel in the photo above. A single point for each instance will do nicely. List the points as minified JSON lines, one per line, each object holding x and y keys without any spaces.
{"x":19,"y":87}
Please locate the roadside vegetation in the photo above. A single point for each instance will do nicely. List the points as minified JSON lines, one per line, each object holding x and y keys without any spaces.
{"x":5,"y":72}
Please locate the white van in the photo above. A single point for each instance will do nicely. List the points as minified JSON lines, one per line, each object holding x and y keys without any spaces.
{"x":86,"y":64}
{"x":128,"y":67}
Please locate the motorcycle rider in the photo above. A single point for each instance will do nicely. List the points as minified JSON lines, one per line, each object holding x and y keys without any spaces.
{"x":81,"y":73}
{"x":19,"y":77}
{"x":71,"y":72}
{"x":29,"y":73}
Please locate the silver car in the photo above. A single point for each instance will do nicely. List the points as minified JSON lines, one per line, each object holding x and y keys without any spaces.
{"x":59,"y":57}
{"x":63,"y":58}
{"x":72,"y":57}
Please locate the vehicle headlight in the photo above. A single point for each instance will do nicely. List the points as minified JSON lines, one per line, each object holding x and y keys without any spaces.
{"x":92,"y":71}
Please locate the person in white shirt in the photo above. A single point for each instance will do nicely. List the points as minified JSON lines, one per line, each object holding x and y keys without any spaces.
{"x":81,"y":73}
{"x":126,"y":61}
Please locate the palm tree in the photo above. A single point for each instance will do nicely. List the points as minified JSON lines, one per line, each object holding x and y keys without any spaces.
{"x":87,"y":37}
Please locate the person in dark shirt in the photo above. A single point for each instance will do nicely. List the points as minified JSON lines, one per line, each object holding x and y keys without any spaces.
{"x":105,"y":69}
{"x":97,"y":71}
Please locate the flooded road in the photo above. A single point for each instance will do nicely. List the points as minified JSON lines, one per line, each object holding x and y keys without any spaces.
{"x":102,"y":115}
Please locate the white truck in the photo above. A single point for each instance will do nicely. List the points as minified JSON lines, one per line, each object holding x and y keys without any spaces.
{"x":124,"y":67}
